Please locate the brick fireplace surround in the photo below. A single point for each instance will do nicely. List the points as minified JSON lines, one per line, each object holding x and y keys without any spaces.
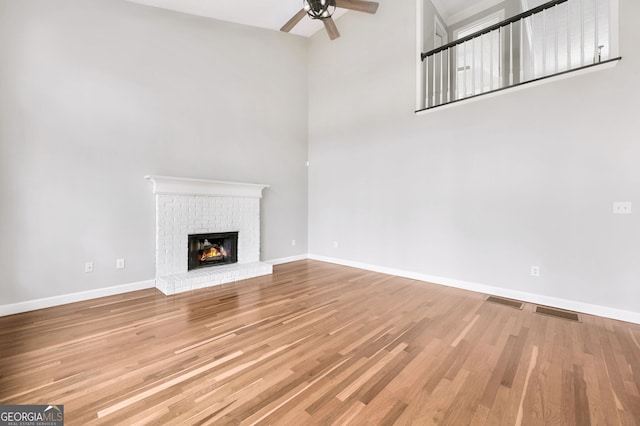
{"x":194,"y":206}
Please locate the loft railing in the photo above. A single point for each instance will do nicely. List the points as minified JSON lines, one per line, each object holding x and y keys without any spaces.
{"x":552,"y":39}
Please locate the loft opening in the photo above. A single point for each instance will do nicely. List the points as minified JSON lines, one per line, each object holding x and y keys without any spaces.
{"x":509,"y":44}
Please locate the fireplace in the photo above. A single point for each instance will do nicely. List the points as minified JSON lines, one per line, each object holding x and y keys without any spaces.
{"x":212,"y":249}
{"x":194,"y":207}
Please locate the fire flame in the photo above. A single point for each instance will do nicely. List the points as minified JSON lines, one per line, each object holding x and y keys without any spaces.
{"x":212,"y":253}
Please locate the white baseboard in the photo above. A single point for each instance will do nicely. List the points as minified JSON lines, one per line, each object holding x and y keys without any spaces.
{"x":602,"y":311}
{"x":287,"y":259}
{"x":32,"y":305}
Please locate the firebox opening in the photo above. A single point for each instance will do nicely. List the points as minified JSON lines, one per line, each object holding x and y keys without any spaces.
{"x":212,"y":249}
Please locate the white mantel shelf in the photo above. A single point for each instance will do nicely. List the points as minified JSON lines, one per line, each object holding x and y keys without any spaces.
{"x":185,"y":186}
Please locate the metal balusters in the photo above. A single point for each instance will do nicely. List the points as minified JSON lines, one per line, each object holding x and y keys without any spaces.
{"x":448,"y":74}
{"x":511,"y":54}
{"x":555,"y":12}
{"x":441,"y":76}
{"x":581,"y":33}
{"x":491,"y":63}
{"x":568,"y":36}
{"x":500,"y":67}
{"x":481,"y":64}
{"x":433,"y":94}
{"x":456,"y":94}
{"x":464,"y":70}
{"x":544,"y":42}
{"x":533,"y":46}
{"x":473,"y":66}
{"x":426,"y":82}
{"x":596,"y":51}
{"x":521,"y":50}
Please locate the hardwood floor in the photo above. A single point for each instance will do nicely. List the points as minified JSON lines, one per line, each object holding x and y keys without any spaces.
{"x":320,"y":344}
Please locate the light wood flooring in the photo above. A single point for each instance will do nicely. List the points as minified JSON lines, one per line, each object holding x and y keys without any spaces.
{"x":320,"y":344}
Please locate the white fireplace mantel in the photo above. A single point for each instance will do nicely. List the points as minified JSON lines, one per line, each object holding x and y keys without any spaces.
{"x":168,"y":185}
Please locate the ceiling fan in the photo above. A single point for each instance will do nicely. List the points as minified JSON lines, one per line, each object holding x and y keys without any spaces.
{"x":323,"y":9}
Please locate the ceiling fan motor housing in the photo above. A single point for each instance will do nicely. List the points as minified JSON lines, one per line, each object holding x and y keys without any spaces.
{"x":319,"y":9}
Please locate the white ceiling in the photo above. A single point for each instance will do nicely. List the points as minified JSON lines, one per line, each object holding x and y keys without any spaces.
{"x":272,"y":14}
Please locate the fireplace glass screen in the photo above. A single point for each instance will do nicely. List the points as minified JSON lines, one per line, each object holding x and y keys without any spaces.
{"x":212,"y":249}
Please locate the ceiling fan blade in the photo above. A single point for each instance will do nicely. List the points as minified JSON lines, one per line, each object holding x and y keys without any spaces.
{"x":293,"y":21}
{"x":331,"y":28}
{"x":358,"y":5}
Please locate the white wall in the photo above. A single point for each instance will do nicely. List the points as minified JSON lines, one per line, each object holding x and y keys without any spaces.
{"x":482,"y":191}
{"x":95,"y":94}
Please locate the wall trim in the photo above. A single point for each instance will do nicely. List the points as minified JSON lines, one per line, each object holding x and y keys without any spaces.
{"x":587,"y":308}
{"x":289,"y":259}
{"x":48,"y":302}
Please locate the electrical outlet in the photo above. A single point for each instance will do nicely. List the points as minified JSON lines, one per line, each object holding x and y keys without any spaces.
{"x":535,"y":271}
{"x":622,"y":207}
{"x":120,"y":263}
{"x":293,"y":243}
{"x":335,"y":244}
{"x":88,"y":267}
